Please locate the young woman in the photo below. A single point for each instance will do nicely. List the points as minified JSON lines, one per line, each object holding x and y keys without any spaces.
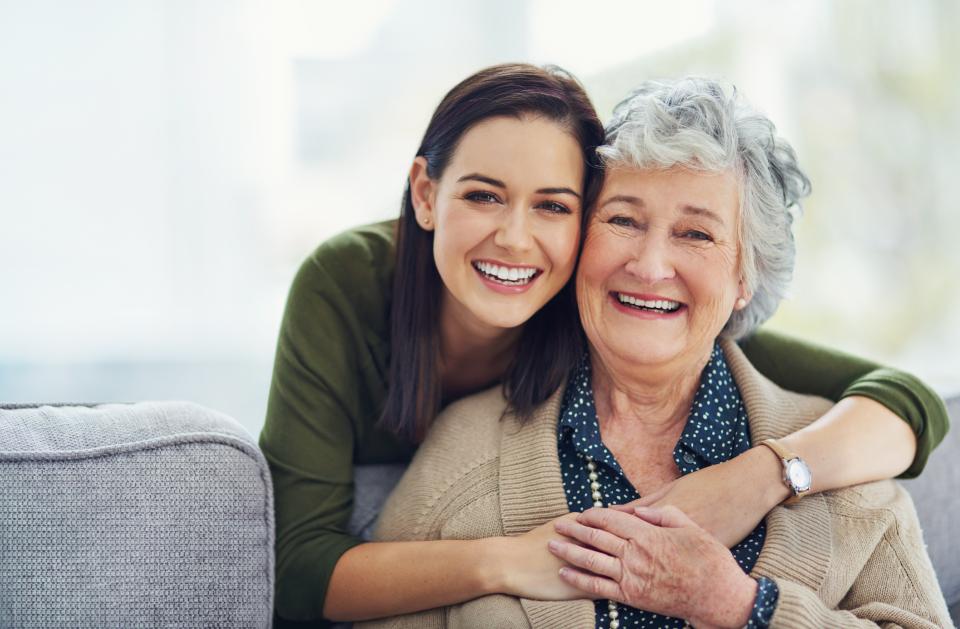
{"x":475,"y":292}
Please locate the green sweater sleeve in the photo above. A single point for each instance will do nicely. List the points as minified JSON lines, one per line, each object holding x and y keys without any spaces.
{"x":813,"y":369}
{"x":327,"y":387}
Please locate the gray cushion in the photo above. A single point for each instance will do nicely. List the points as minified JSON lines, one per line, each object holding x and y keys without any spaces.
{"x":938,"y":504}
{"x":373,"y":484}
{"x":142,"y":515}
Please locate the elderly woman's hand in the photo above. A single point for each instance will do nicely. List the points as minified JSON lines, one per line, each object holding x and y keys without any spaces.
{"x":729,"y":499}
{"x":656,"y":559}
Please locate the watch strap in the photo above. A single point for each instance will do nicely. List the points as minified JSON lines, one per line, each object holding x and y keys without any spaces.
{"x":778,"y":449}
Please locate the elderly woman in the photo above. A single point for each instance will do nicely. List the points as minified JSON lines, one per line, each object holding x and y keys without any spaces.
{"x":688,"y":248}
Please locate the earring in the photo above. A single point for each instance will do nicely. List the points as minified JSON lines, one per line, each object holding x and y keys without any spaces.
{"x":426,"y":221}
{"x":741,"y":303}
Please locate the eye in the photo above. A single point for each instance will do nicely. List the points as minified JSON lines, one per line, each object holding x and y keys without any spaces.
{"x":553,"y":207}
{"x":622,"y":221}
{"x":695,"y":234}
{"x":482,"y":196}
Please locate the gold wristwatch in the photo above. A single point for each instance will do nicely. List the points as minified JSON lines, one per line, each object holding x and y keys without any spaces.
{"x":796,"y":474}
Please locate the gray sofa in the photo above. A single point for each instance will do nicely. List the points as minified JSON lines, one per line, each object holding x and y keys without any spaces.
{"x":935,"y":494}
{"x":160,"y":515}
{"x":142,"y":515}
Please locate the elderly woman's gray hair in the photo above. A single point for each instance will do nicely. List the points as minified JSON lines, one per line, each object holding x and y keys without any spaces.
{"x":703,"y":125}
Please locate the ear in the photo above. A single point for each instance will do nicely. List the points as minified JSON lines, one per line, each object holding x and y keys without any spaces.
{"x":743,"y":297}
{"x":423,"y":194}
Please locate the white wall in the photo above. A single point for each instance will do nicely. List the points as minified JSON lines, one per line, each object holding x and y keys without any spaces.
{"x":165,"y":165}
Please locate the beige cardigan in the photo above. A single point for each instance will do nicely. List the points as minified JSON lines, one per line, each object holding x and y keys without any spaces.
{"x":841,"y":559}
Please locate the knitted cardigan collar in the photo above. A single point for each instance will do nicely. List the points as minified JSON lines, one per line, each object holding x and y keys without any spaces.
{"x":798,"y":543}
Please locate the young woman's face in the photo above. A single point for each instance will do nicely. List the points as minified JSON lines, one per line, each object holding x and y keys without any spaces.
{"x":506,"y":216}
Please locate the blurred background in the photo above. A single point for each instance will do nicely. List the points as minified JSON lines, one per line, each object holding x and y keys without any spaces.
{"x":166,"y":165}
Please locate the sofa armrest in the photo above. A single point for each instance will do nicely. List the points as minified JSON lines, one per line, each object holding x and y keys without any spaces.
{"x":935,"y":496}
{"x":133,"y":515}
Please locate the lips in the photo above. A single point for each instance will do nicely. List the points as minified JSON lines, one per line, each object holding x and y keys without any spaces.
{"x":653,"y":305}
{"x":506,"y":275}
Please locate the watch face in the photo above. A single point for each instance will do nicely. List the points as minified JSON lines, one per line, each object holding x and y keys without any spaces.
{"x":799,"y":475}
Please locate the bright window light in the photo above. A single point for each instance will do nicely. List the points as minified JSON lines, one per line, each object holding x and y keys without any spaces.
{"x":610,"y":32}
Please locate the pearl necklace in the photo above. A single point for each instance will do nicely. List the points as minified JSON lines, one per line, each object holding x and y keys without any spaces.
{"x":598,"y":502}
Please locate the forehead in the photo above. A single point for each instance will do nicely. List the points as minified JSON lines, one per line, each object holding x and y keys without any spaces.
{"x":529,"y":149}
{"x":672,"y":189}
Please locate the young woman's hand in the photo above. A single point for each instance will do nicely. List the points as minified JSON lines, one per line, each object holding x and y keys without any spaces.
{"x":658,"y":560}
{"x":727,"y":500}
{"x":527,"y":568}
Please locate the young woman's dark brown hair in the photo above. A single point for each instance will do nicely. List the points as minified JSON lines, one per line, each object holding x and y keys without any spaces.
{"x":549,"y":346}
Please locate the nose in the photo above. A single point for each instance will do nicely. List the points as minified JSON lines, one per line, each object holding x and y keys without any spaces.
{"x":651,"y":261}
{"x":513,"y":232}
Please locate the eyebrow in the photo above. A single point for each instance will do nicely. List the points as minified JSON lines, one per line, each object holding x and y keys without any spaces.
{"x":499,"y":184}
{"x":686,"y":209}
{"x":624,"y":198}
{"x":702,"y":211}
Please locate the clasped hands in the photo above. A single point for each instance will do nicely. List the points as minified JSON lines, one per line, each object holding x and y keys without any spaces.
{"x":668,"y":552}
{"x":657,"y":559}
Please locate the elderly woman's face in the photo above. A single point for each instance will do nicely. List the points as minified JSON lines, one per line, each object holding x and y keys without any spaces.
{"x":658,"y":275}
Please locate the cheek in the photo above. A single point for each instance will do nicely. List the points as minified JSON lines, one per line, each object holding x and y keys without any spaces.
{"x":562,"y":245}
{"x":713,"y":279}
{"x":456,"y":233}
{"x":595,"y":266}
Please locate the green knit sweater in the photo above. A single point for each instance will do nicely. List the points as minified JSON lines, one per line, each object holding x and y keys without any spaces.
{"x":330,"y":381}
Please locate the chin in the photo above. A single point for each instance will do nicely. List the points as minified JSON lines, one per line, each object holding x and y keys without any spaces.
{"x":653,"y":353}
{"x":506,"y":320}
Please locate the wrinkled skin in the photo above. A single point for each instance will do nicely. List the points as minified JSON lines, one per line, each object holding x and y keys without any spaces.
{"x":656,"y":559}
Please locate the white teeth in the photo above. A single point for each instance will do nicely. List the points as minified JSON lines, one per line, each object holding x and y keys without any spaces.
{"x":506,"y":274}
{"x":657,"y":304}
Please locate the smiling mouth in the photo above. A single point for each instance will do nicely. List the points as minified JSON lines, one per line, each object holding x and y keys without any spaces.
{"x":508,"y":276}
{"x":662,"y":306}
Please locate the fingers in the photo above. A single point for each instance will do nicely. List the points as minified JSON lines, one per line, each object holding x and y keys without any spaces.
{"x":593,"y":586}
{"x":650,"y":499}
{"x":668,"y":516}
{"x":590,"y":560}
{"x":597,"y":538}
{"x":623,"y":525}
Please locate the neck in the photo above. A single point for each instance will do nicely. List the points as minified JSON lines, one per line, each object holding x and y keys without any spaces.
{"x":473,"y":354}
{"x":656,"y":400}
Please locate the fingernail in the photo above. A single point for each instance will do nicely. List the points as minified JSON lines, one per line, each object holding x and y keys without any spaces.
{"x":563,"y":572}
{"x":553,"y":545}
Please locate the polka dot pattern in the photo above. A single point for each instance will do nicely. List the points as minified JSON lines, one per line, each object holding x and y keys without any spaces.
{"x":765,"y":604}
{"x":717,"y":430}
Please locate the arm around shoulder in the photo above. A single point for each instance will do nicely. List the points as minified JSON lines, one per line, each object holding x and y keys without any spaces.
{"x":809,"y":368}
{"x":451,"y":471}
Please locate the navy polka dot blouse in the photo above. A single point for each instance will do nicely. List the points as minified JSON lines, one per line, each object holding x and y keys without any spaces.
{"x":716,"y":431}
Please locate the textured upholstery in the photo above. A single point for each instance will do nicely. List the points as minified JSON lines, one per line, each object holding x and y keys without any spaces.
{"x":374,"y":483}
{"x":142,"y":515}
{"x":935,"y":495}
